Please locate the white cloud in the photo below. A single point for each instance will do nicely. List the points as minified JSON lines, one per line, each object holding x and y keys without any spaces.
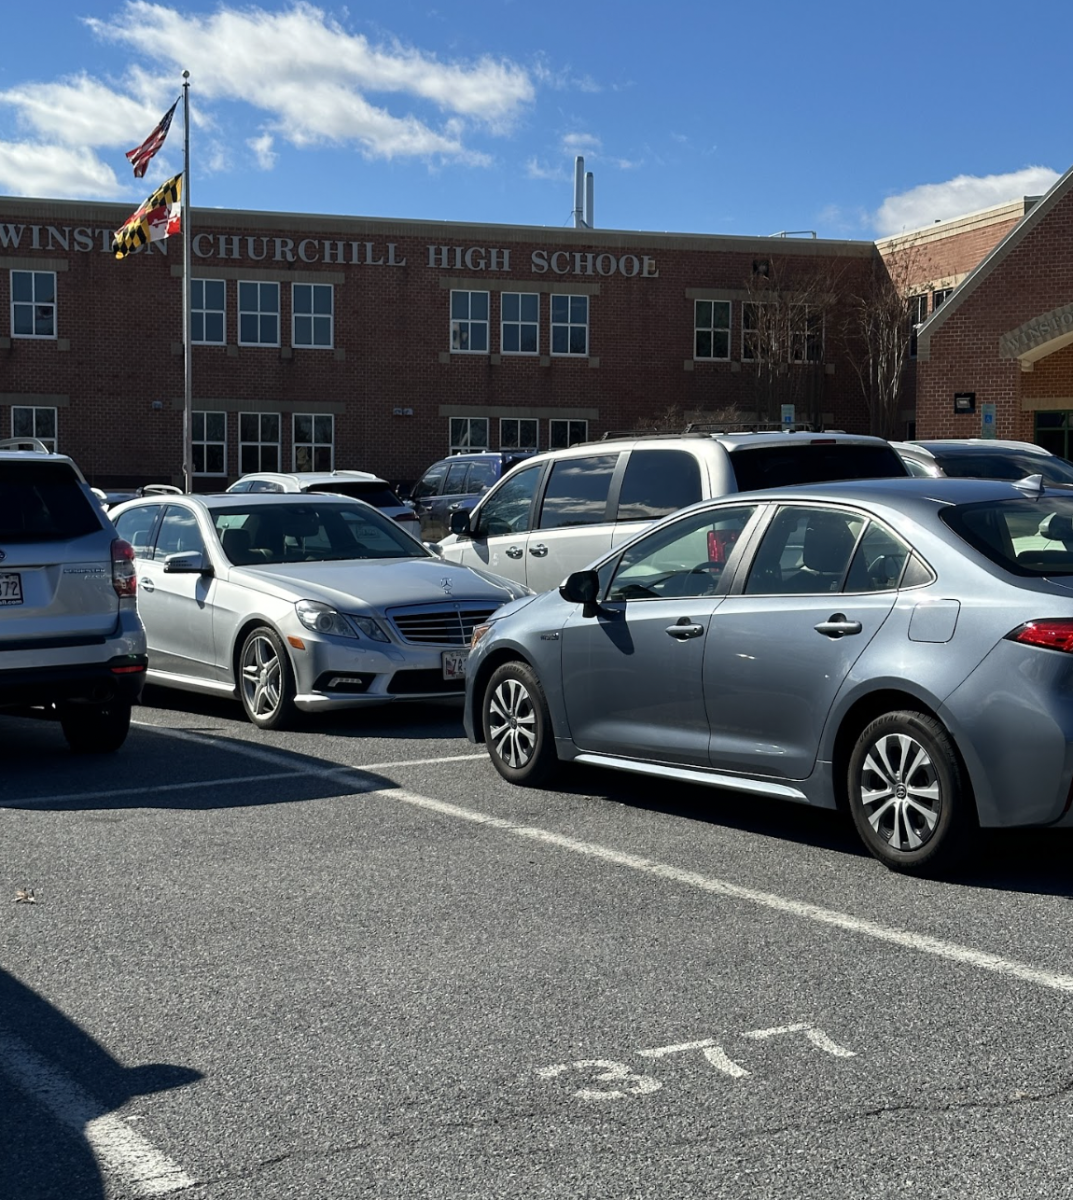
{"x":932,"y":202}
{"x":558,"y":173}
{"x":30,"y":169}
{"x":263,"y":151}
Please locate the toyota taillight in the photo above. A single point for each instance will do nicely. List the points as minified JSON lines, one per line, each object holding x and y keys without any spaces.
{"x":124,"y":575}
{"x":1051,"y":635}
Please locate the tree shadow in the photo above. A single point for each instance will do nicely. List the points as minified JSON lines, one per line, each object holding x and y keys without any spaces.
{"x":54,"y":1079}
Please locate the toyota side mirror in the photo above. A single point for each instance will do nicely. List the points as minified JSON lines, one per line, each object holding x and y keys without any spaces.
{"x":582,"y":587}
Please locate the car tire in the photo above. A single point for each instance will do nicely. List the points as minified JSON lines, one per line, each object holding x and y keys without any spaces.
{"x":908,"y":794}
{"x":95,"y":728}
{"x":266,"y":680}
{"x":517,"y":726}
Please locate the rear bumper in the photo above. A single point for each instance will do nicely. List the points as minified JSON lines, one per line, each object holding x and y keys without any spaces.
{"x":119,"y":678}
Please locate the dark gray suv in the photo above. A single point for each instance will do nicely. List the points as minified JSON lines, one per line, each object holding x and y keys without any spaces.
{"x":455,"y":484}
{"x":71,"y":641}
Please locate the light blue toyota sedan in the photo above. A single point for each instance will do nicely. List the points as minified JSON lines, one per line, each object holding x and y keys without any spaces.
{"x":901,"y":649}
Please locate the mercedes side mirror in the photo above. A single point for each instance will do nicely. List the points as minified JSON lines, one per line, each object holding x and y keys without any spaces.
{"x":582,"y":587}
{"x":191,"y":562}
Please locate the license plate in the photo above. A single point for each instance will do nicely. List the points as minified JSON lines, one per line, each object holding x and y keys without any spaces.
{"x":11,"y":591}
{"x":454,"y":664}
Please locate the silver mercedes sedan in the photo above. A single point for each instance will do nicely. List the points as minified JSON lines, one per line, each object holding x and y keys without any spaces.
{"x":901,"y":649}
{"x":299,"y":602}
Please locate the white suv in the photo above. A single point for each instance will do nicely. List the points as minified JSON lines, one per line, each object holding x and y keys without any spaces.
{"x":558,"y":511}
{"x":358,"y":485}
{"x":71,"y":641}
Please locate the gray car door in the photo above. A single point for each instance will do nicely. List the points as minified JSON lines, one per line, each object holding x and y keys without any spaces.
{"x":633,"y":676}
{"x":779,"y":651}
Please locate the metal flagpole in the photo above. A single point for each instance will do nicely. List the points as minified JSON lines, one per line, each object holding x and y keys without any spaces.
{"x":188,"y":400}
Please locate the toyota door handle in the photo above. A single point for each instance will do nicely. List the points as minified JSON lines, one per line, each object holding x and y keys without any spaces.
{"x":539,"y":550}
{"x":684,"y":628}
{"x":147,"y":584}
{"x":513,"y":552}
{"x":837,"y":626}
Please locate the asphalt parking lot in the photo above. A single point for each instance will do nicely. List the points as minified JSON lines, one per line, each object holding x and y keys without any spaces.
{"x":349,"y":960}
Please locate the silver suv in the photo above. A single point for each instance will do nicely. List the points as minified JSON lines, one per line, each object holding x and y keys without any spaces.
{"x":558,"y":511}
{"x":71,"y":641}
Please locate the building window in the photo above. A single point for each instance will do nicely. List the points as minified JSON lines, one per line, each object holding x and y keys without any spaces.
{"x":569,"y":324}
{"x":37,"y":423}
{"x":563,"y":433}
{"x":806,"y":334}
{"x":940,"y":297}
{"x":518,"y":433}
{"x":207,"y":298}
{"x":711,"y":323}
{"x":468,"y":434}
{"x":258,"y":442}
{"x":33,"y":304}
{"x":777,"y":334}
{"x":520,"y":316}
{"x":751,"y":324}
{"x":208,"y":436}
{"x":469,"y":322}
{"x":314,"y":442}
{"x":258,"y":314}
{"x":313,"y":317}
{"x":917,"y":307}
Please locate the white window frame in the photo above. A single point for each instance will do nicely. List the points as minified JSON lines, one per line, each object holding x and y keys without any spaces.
{"x":258,"y":312}
{"x":34,"y":304}
{"x":506,"y":422}
{"x":939,"y":297}
{"x":261,"y":442}
{"x":312,"y":445}
{"x":205,"y":312}
{"x":711,"y":328}
{"x":522,"y":323}
{"x":199,"y":417}
{"x":317,"y":320}
{"x":38,"y":414}
{"x":466,"y":443}
{"x":464,"y":325}
{"x":804,"y":335}
{"x":567,"y":421}
{"x":569,"y":324}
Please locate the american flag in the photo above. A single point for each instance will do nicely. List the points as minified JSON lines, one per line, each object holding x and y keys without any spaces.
{"x":141,"y":155}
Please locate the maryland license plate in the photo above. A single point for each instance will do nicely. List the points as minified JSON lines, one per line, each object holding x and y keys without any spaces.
{"x":454,"y":664}
{"x":11,"y":591}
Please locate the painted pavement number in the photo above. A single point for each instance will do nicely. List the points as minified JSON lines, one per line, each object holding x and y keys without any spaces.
{"x":621,"y":1081}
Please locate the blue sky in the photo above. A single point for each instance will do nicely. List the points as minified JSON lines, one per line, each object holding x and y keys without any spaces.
{"x":852,"y":120}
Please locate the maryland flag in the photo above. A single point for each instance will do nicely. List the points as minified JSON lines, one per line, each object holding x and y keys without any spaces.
{"x":159,"y":217}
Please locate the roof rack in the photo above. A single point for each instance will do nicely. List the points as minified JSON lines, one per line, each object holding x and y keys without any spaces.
{"x":25,"y":443}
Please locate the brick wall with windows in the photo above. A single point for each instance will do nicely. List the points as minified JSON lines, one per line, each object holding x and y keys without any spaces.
{"x":345,"y":324}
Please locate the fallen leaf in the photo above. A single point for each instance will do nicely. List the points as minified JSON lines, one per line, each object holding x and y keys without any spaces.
{"x":25,"y":896}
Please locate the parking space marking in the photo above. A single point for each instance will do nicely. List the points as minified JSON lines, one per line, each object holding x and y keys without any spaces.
{"x":121,"y":1152}
{"x":921,"y":943}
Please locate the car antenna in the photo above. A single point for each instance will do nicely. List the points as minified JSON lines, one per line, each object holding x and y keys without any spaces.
{"x":1031,"y":484}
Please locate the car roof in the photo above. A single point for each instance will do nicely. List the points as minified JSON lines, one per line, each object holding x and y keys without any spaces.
{"x":729,"y":441}
{"x":932,"y":446}
{"x":314,"y":477}
{"x":225,"y":500}
{"x":39,"y":456}
{"x":897,"y":493}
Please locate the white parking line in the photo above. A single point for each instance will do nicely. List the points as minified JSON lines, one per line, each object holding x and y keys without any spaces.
{"x":918,"y":942}
{"x":121,"y":1152}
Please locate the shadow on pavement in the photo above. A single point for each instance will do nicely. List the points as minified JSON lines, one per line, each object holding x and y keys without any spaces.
{"x":54,"y":1078}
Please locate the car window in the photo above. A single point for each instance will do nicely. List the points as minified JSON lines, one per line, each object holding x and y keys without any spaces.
{"x":577,"y":491}
{"x":686,"y":558}
{"x":265,"y":485}
{"x":878,"y":562}
{"x":916,"y":468}
{"x":1033,"y":536}
{"x":455,"y":483}
{"x":429,"y":484}
{"x":136,"y":527}
{"x":658,"y":482}
{"x":178,"y":534}
{"x":506,"y":509}
{"x":44,"y":502}
{"x":266,"y":533}
{"x":481,"y":475}
{"x":1004,"y":464}
{"x":780,"y":465}
{"x":243,"y":485}
{"x":804,"y":550}
{"x":373,"y":492}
